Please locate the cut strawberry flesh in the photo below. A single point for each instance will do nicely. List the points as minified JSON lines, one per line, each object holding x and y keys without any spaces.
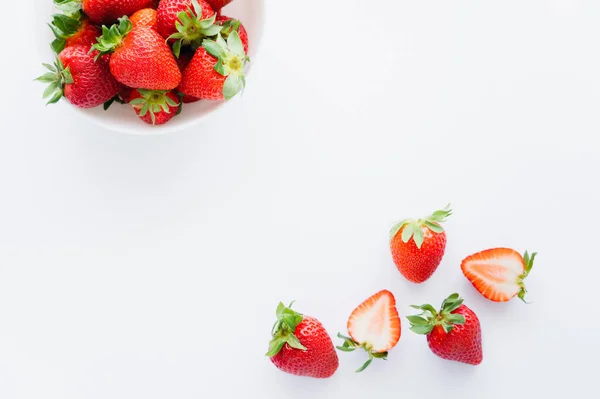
{"x":495,"y":273}
{"x":376,"y":322}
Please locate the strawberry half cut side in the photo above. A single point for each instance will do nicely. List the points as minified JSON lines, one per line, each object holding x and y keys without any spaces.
{"x":283,"y":330}
{"x":231,"y":59}
{"x":414,"y":229}
{"x":499,"y":273}
{"x":192,"y":29}
{"x":373,"y":326}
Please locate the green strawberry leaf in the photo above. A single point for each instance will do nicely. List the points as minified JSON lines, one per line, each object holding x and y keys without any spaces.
{"x":418,"y":236}
{"x":407,"y":233}
{"x":233,"y":85}
{"x":235,"y":44}
{"x":422,"y":329}
{"x":364,"y":366}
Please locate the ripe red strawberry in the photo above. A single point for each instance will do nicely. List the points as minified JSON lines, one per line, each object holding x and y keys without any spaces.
{"x":498,"y":273}
{"x":72,"y":30}
{"x":217,"y":70}
{"x":373,"y":326}
{"x":146,"y":17}
{"x":140,"y":57}
{"x":105,"y":11}
{"x":453,"y":333}
{"x":186,"y":21}
{"x":301,"y":345}
{"x":85,"y":82}
{"x":418,"y":259}
{"x":155,"y":107}
{"x":184,"y":59}
{"x":231,"y":24}
{"x":218,"y":4}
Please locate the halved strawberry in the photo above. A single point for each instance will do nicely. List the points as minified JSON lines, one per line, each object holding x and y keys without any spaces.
{"x":498,"y":273}
{"x":373,"y":326}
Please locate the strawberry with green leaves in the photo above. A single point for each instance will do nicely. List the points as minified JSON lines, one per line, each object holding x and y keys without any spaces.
{"x":155,"y":107}
{"x":498,"y":273}
{"x":301,"y":346}
{"x":186,"y":22}
{"x":104,"y":11}
{"x":453,"y":332}
{"x":374,"y":326}
{"x":216,"y":72}
{"x":139,"y":57}
{"x":78,"y":76}
{"x":230,"y":25}
{"x":72,"y":30}
{"x":418,"y":246}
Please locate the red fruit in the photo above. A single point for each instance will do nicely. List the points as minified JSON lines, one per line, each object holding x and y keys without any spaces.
{"x":125,"y":94}
{"x":373,"y":326}
{"x":140,"y":57}
{"x":418,"y":259}
{"x":72,"y":30}
{"x":184,"y":59}
{"x":498,"y":273}
{"x":106,"y":11}
{"x":231,"y":24}
{"x":216,"y":71}
{"x":453,"y":333}
{"x":301,"y":345}
{"x":218,"y":4}
{"x":85,"y":82}
{"x":145,"y":17}
{"x":155,"y":107}
{"x":168,"y":15}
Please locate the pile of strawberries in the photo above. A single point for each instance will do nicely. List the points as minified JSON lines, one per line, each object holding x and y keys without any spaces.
{"x":300,"y":345}
{"x":154,"y":55}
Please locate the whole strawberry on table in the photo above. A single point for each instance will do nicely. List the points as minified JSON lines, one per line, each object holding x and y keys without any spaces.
{"x":127,"y":51}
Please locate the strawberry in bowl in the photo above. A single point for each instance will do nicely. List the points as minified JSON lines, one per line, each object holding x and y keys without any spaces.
{"x":216,"y":46}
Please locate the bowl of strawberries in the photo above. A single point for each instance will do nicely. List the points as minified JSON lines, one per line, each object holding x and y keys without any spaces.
{"x":149,"y":66}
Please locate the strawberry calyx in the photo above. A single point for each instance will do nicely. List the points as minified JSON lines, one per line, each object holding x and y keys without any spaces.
{"x":64,"y":26}
{"x":351,"y":345}
{"x":153,"y":102}
{"x":231,"y":25}
{"x":68,"y":6}
{"x":430,"y":318}
{"x":112,"y":37}
{"x":231,"y":59}
{"x":284,"y":328}
{"x":414,"y":228}
{"x":57,"y":78}
{"x":192,"y":29}
{"x":528,"y":259}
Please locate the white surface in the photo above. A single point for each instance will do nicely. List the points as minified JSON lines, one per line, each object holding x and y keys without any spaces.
{"x":134,"y":267}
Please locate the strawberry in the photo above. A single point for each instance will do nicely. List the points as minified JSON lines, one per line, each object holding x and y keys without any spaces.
{"x":418,"y":259}
{"x":453,"y":333}
{"x":140,"y":57}
{"x":218,"y":4}
{"x":155,"y":107}
{"x":183,"y":61}
{"x":373,"y":326}
{"x":146,"y":17}
{"x":229,"y":25}
{"x":301,"y":345}
{"x":216,"y":71}
{"x":498,"y":273}
{"x":105,"y":11}
{"x":76,"y":75}
{"x":186,"y":22}
{"x":72,"y":30}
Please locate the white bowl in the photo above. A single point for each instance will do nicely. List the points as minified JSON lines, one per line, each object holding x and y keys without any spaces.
{"x":120,"y":117}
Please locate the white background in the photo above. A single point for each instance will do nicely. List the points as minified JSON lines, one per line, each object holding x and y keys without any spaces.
{"x":150,"y":267}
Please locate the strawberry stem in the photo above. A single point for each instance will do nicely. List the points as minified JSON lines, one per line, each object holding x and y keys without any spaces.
{"x":351,"y":345}
{"x":429,"y":318}
{"x":528,"y":260}
{"x":284,"y":329}
{"x":414,"y":228}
